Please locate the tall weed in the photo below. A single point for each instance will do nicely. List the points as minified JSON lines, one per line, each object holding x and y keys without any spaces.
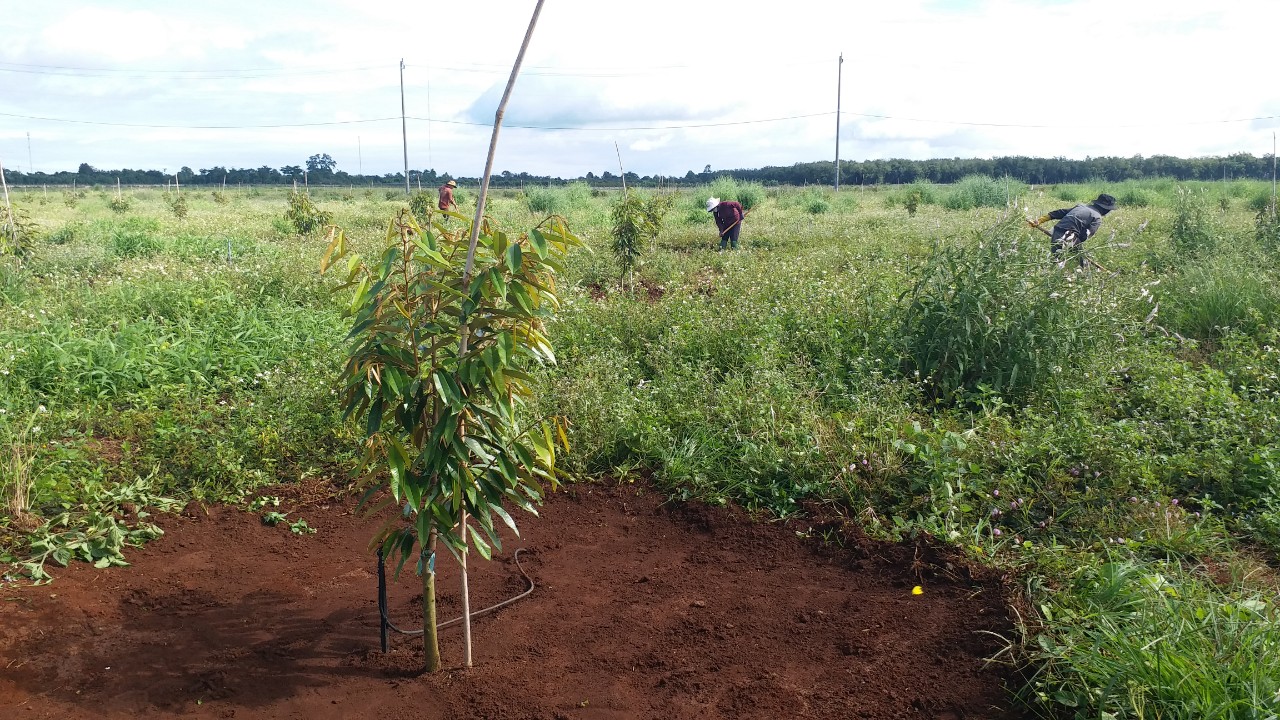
{"x":990,"y":316}
{"x":1194,"y":229}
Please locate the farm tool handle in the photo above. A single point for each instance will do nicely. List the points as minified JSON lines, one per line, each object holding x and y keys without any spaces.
{"x":384,"y":622}
{"x":735,"y":222}
{"x":1088,"y":259}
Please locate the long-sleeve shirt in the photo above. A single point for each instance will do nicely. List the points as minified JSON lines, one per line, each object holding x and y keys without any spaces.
{"x":1084,"y":220}
{"x":727,"y":213}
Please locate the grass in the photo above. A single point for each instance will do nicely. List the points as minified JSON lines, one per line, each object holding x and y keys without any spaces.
{"x":1055,"y":418}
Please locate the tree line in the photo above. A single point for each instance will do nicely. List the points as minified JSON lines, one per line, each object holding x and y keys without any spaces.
{"x":321,"y":169}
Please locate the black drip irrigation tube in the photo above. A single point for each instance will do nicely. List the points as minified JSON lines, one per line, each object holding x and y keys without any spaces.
{"x":385,"y":622}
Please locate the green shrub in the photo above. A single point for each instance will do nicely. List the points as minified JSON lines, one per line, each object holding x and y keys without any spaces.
{"x":991,"y":316}
{"x":68,"y":233}
{"x":1267,"y":228}
{"x":636,"y":218}
{"x":910,"y":197}
{"x":1194,"y":231}
{"x":303,"y":216}
{"x":17,"y":234}
{"x":1260,"y":200}
{"x":120,"y":205}
{"x":422,"y":204}
{"x":177,"y":203}
{"x":220,"y":197}
{"x":813,"y":201}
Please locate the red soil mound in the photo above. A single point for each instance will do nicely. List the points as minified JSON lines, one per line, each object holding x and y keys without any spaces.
{"x":642,"y":610}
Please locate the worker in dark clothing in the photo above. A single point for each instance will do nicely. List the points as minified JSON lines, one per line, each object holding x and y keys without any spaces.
{"x":728,"y":215}
{"x":1077,"y":224}
{"x":446,"y":196}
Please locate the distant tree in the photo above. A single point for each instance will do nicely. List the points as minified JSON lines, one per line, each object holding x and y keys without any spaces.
{"x":321,"y":164}
{"x":292,"y":172}
{"x":86,"y":169}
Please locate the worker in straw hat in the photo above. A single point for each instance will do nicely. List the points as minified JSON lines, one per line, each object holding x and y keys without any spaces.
{"x":728,"y":215}
{"x":446,"y":195}
{"x":1075,"y":225}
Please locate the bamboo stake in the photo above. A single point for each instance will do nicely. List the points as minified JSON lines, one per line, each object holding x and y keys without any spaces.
{"x":466,"y":281}
{"x":13,"y":224}
{"x":620,"y":169}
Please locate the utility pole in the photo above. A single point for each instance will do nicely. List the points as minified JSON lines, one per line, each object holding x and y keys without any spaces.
{"x":404,"y":133}
{"x":839,"y":77}
{"x":1273,"y":173}
{"x":359,"y":157}
{"x":30,"y":165}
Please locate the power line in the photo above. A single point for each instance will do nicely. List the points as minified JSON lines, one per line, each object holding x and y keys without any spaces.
{"x":180,"y":74}
{"x":197,"y":127}
{"x":410,"y":117}
{"x":626,"y":128}
{"x":252,"y":73}
{"x":632,"y":127}
{"x":1062,"y":127}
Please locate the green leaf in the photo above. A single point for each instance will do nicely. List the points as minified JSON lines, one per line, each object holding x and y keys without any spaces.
{"x":374,"y":422}
{"x":539,"y":242}
{"x":514,"y":257}
{"x":481,"y":546}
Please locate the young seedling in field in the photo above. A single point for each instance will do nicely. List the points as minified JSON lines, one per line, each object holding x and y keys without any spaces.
{"x":635,"y":220}
{"x":274,"y":518}
{"x":301,"y":528}
{"x":438,"y":370}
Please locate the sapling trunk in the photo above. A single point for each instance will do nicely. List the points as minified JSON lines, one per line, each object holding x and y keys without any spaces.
{"x":466,"y":596}
{"x":430,"y":635}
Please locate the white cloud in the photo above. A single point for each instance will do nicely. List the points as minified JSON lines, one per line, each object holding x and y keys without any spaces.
{"x":953,"y":77}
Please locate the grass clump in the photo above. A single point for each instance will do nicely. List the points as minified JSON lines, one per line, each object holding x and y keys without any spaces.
{"x":975,"y":191}
{"x":558,"y":201}
{"x":135,"y":238}
{"x":1219,"y":295}
{"x":748,"y":194}
{"x":1133,"y":642}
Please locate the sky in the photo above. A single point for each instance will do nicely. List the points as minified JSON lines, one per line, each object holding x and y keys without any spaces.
{"x":663,"y":86}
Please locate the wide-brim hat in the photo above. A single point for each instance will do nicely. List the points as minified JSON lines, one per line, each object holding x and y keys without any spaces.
{"x":452,"y":184}
{"x":1105,"y":203}
{"x":712,"y":203}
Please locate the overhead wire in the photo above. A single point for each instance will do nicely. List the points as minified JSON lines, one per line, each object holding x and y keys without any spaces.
{"x":629,"y":128}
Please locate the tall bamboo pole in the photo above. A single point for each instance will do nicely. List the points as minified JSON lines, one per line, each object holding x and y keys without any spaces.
{"x":404,"y":132}
{"x":13,"y":223}
{"x":466,"y":282}
{"x":839,"y":83}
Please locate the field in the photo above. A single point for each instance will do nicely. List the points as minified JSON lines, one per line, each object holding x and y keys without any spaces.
{"x":902,"y":360}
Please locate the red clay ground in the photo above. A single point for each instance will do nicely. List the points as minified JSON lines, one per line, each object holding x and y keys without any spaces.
{"x":642,"y":610}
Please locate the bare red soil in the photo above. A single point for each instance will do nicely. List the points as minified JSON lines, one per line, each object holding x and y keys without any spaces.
{"x":642,"y":610}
